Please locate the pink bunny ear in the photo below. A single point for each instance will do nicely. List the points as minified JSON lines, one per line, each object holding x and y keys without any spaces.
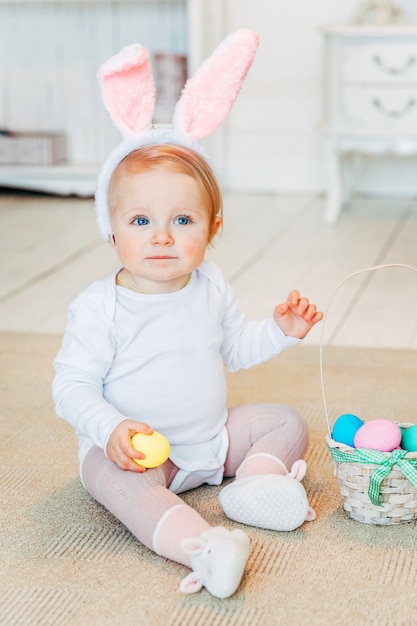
{"x":194,"y":545}
{"x":298,"y":470}
{"x":191,"y":583}
{"x":209,"y":95}
{"x":128,"y":89}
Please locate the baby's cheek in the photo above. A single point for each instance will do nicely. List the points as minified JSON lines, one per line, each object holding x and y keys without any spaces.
{"x":195,"y":249}
{"x":128,"y":251}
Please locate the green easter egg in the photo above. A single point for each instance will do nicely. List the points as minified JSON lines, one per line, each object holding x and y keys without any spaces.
{"x":409,"y":439}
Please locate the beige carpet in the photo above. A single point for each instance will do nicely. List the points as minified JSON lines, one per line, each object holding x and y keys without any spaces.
{"x":65,"y":561}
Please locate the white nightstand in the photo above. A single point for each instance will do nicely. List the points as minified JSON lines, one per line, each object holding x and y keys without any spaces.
{"x":370,"y":98}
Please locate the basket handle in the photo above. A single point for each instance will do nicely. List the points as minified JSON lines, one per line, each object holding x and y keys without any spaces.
{"x":362,"y":271}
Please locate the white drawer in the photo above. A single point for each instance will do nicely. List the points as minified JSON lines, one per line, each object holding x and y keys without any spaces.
{"x":378,"y":109}
{"x":380,"y":62}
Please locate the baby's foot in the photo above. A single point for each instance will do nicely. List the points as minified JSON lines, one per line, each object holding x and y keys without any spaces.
{"x":218,"y":559}
{"x":269,"y":501}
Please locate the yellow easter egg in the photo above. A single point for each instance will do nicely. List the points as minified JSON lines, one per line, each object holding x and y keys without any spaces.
{"x":155,"y":447}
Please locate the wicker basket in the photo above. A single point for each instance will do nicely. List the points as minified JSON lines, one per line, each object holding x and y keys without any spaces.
{"x":377,"y":487}
{"x":379,"y":492}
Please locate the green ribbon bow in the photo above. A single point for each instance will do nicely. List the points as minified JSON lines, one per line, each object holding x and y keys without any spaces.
{"x":407,"y":466}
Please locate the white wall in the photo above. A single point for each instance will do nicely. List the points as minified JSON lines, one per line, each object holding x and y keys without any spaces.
{"x":272,"y":138}
{"x":50,"y":51}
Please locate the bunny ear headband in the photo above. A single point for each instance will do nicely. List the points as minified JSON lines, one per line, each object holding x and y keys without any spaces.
{"x":129,"y":96}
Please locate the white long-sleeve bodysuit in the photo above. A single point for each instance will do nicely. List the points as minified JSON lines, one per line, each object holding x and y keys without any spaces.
{"x":159,"y":358}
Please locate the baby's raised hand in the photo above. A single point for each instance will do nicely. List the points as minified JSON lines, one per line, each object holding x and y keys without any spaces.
{"x":296,"y":317}
{"x":119,"y":446}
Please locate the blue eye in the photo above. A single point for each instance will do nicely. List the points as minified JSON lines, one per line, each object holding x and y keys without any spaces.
{"x":140,"y":221}
{"x":182,"y":220}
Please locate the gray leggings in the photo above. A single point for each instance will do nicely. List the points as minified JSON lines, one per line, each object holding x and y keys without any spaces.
{"x":139,"y":500}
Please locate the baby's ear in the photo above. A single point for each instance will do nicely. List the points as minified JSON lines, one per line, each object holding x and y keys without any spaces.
{"x":215,"y":227}
{"x":209,"y":95}
{"x":128,"y":90}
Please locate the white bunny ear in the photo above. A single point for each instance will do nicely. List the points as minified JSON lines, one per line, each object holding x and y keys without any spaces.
{"x":128,"y":89}
{"x":209,"y":95}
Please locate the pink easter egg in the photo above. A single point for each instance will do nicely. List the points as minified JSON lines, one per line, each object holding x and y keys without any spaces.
{"x":379,"y":434}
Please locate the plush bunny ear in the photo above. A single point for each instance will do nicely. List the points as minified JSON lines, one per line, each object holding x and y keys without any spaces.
{"x":209,"y":95}
{"x":129,"y":96}
{"x":128,"y":89}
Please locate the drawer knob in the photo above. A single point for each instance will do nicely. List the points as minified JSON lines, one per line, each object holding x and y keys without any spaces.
{"x":393,"y":113}
{"x":394,"y":70}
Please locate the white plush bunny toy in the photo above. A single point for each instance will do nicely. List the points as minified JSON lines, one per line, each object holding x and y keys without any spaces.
{"x":129,"y":96}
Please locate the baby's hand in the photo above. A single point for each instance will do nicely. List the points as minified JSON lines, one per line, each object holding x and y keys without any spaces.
{"x":119,"y":446}
{"x":296,"y":317}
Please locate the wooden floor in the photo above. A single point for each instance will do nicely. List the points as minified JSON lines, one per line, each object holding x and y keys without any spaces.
{"x":50,"y":249}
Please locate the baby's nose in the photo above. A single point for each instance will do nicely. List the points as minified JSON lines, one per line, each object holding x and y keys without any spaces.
{"x":162,"y":236}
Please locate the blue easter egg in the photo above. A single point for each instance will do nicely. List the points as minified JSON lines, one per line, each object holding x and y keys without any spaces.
{"x":345,"y":428}
{"x":409,"y":438}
